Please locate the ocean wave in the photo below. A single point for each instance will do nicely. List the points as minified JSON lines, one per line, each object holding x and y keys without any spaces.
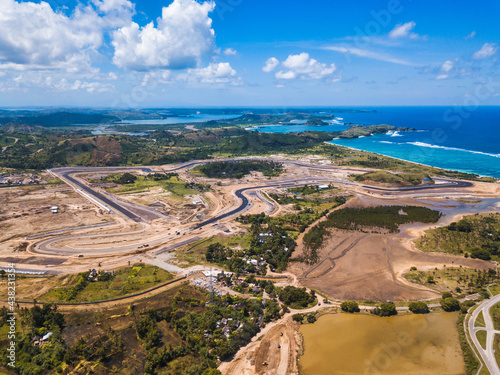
{"x":391,"y":143}
{"x":422,"y":144}
{"x":396,"y":134}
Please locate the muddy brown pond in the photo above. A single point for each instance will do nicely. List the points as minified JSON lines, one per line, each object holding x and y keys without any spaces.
{"x":346,"y":344}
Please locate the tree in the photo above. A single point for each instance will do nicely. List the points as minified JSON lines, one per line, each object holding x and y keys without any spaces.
{"x":480,"y":254}
{"x":446,"y":295}
{"x":385,"y":309}
{"x":349,"y":307}
{"x":418,"y":307}
{"x":211,"y":371}
{"x":298,"y":317}
{"x":311,"y":318}
{"x":126,"y":178}
{"x":450,"y":304}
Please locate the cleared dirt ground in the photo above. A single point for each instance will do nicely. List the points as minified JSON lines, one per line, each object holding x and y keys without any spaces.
{"x":25,"y":211}
{"x":366,"y":266}
{"x":265,"y":357}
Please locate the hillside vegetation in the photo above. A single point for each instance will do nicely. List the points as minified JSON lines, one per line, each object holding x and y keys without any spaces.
{"x":400,"y":179}
{"x":239,"y":169}
{"x":477,"y":236}
{"x":260,"y":143}
{"x":173,"y":332}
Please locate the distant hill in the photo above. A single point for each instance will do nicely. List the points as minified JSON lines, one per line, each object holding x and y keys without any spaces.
{"x":58,"y":119}
{"x":17,"y":127}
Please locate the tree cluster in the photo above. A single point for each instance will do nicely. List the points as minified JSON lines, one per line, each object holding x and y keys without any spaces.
{"x":239,"y":169}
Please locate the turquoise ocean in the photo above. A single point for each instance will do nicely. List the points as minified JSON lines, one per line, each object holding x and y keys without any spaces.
{"x":462,"y":139}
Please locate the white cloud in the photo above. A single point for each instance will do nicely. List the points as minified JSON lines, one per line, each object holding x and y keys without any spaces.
{"x":271,"y":64}
{"x":304,"y":67}
{"x":58,"y":82}
{"x":215,"y":73}
{"x":156,"y":77}
{"x":403,"y":31}
{"x":34,"y":36}
{"x":286,"y":75}
{"x":447,"y":66}
{"x":368,"y":54}
{"x":90,"y":87}
{"x":471,"y":35}
{"x":487,"y":50}
{"x":230,"y":52}
{"x":117,"y":13}
{"x":182,"y":37}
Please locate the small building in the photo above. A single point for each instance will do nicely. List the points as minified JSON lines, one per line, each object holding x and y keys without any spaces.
{"x":323,"y":187}
{"x":54,"y":209}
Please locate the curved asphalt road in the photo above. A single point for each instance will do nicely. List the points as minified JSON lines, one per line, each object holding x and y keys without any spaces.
{"x":488,"y":354}
{"x":139,"y":214}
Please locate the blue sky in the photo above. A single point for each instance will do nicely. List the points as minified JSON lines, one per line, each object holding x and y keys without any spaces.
{"x":121,"y":53}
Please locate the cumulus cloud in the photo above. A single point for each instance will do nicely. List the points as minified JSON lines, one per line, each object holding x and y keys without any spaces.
{"x":183,"y":35}
{"x":215,"y":73}
{"x":403,"y":31}
{"x":304,"y":67}
{"x":487,"y":50}
{"x":33,"y":36}
{"x":230,"y":52}
{"x":271,"y":64}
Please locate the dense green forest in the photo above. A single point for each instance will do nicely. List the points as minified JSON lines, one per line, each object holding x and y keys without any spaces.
{"x":239,"y":169}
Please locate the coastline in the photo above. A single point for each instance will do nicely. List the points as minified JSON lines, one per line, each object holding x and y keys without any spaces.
{"x":409,"y":161}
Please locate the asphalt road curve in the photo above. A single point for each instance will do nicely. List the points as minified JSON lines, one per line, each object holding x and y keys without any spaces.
{"x":242,"y":206}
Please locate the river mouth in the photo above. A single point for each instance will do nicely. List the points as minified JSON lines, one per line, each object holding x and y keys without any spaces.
{"x":345,"y":344}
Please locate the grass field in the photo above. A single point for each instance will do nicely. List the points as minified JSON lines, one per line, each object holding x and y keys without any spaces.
{"x":173,"y":185}
{"x":480,"y":320}
{"x":451,"y":278}
{"x":495,"y":316}
{"x":481,"y":337}
{"x":494,"y":289}
{"x":194,"y":253}
{"x":126,"y":281}
{"x":496,"y":347}
{"x":401,"y":179}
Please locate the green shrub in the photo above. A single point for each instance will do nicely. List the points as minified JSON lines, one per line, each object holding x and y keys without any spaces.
{"x":349,"y":307}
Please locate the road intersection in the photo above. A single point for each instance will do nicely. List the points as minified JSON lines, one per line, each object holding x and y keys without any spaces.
{"x":487,"y":354}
